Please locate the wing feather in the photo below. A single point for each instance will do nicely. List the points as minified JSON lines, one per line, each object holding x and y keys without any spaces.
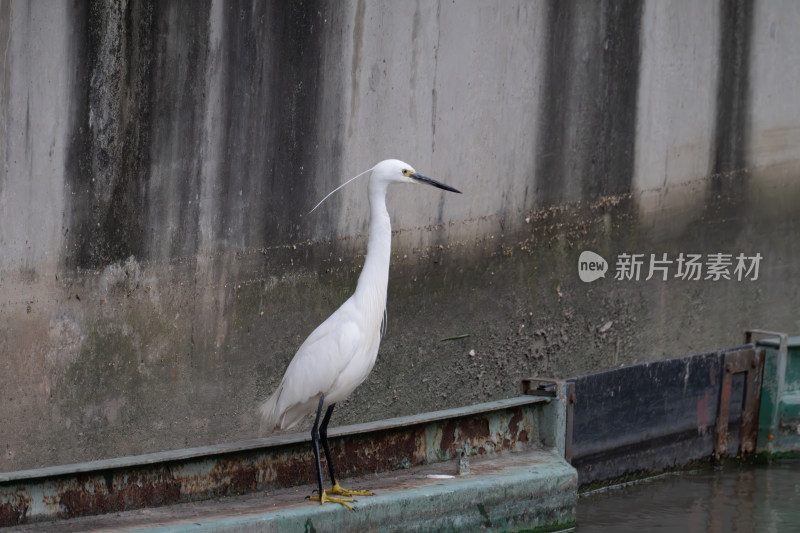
{"x":313,"y":371}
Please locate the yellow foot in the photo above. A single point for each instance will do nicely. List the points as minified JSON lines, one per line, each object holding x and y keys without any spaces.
{"x":325,"y":498}
{"x":337,"y":489}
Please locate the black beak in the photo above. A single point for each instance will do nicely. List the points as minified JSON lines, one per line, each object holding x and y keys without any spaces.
{"x":429,"y":181}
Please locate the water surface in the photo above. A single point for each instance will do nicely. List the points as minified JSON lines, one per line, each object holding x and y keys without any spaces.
{"x":739,"y":499}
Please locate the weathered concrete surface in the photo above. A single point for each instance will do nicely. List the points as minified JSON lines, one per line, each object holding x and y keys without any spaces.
{"x":158,"y":271}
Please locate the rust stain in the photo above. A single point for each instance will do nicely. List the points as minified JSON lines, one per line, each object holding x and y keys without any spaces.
{"x":513,"y":424}
{"x":89,"y":496}
{"x":229,"y":477}
{"x":14,"y":513}
{"x":164,"y":492}
{"x":395,"y":449}
{"x":448,"y":436}
{"x":472,"y":431}
{"x":296,"y":472}
{"x":721,"y":447}
{"x":476,"y":429}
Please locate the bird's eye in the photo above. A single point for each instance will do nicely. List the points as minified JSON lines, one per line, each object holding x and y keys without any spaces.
{"x":406,"y":172}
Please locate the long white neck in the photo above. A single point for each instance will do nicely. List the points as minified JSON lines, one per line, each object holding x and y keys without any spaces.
{"x":370,"y":292}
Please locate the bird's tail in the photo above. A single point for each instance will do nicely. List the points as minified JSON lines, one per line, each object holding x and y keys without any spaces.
{"x":269,"y":410}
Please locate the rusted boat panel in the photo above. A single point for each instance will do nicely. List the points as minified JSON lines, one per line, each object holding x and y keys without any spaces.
{"x":666,"y":413}
{"x":748,"y":365}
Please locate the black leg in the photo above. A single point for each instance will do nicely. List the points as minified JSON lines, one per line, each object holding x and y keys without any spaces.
{"x":323,"y":434}
{"x":315,"y":434}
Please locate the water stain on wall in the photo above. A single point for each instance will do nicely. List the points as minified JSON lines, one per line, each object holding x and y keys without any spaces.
{"x":588,"y":105}
{"x":137,"y":153}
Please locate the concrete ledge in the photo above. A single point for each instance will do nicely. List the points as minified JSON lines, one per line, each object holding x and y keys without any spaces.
{"x":533,"y":490}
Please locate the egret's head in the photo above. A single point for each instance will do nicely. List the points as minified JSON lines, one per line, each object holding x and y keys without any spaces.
{"x":396,"y":171}
{"x":387,"y":172}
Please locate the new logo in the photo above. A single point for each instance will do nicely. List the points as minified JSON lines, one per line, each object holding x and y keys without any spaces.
{"x":591,"y":266}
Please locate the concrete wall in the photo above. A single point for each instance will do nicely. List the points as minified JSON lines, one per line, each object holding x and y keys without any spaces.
{"x":158,"y":269}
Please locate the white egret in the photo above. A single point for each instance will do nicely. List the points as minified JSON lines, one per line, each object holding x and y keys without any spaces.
{"x":340,"y":353}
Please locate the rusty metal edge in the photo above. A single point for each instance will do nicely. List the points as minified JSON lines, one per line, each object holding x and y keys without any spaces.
{"x":571,"y":399}
{"x":541,"y":387}
{"x":750,"y":362}
{"x":254,"y":444}
{"x":783,"y":338}
{"x":550,"y":388}
{"x":389,"y":444}
{"x":749,"y":432}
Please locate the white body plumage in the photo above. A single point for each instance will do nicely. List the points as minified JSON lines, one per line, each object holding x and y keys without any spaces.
{"x":340,"y":353}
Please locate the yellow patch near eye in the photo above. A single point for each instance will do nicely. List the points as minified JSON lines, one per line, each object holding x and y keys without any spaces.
{"x":407,"y":172}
